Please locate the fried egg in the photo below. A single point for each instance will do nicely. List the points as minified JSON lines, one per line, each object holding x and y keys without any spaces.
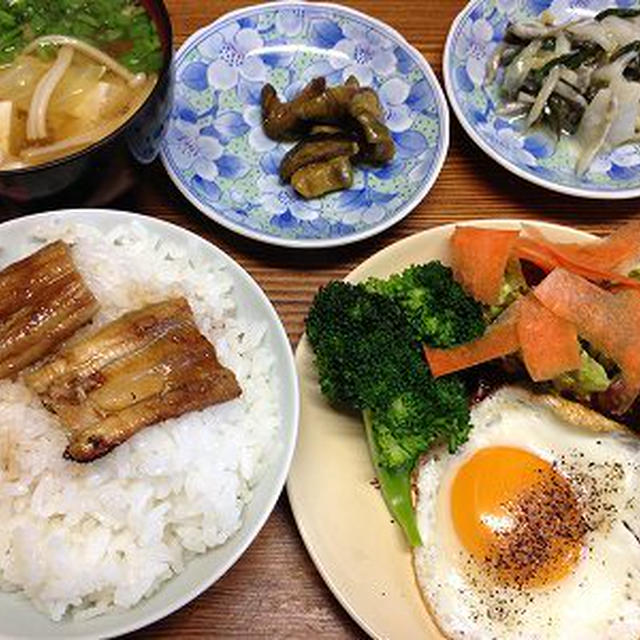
{"x":532,"y":529}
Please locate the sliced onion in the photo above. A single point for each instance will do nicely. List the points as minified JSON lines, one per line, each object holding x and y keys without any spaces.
{"x":37,"y":118}
{"x":134,"y":79}
{"x":530,"y":30}
{"x":593,"y":32}
{"x":548,"y":87}
{"x":512,"y":110}
{"x":540,"y":30}
{"x":621,"y":30}
{"x":613,"y":71}
{"x":563,"y":46}
{"x":594,"y":127}
{"x":526,"y":98}
{"x":569,"y":75}
{"x":567,"y":91}
{"x":518,"y":70}
{"x":493,"y":64}
{"x":623,"y":128}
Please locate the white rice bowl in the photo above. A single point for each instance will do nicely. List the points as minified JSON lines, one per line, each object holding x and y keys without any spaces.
{"x":84,"y":540}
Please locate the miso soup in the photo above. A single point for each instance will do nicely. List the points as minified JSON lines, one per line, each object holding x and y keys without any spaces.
{"x":71,"y":73}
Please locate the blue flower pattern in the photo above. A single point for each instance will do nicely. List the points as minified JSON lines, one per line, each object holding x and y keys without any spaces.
{"x":475,"y":38}
{"x":221,"y":156}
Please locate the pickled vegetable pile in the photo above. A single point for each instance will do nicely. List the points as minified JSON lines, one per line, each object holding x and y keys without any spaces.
{"x":337,"y":127}
{"x":580,"y":78}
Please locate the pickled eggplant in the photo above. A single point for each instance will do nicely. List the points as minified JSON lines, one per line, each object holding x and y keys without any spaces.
{"x":376,"y":145}
{"x":319,"y":129}
{"x":281,"y":120}
{"x":43,"y":301}
{"x":331,"y":106}
{"x":147,"y":366}
{"x":315,"y":149}
{"x":345,"y":122}
{"x":320,"y":178}
{"x":366,"y":101}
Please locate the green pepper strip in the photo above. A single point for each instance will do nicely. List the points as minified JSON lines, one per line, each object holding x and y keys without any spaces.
{"x":618,"y":12}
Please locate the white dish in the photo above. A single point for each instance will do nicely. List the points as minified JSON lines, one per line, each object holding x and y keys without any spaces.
{"x":347,"y":529}
{"x":219,"y":158}
{"x":18,"y":617}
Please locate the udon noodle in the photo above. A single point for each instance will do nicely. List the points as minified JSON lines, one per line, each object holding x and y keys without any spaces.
{"x":61,"y":92}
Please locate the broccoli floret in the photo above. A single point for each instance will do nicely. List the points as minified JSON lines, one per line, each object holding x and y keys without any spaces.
{"x":400,"y":426}
{"x":363,"y":346}
{"x":438,"y":309}
{"x":368,"y":359}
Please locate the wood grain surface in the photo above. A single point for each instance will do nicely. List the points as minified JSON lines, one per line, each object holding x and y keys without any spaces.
{"x":274,"y":590}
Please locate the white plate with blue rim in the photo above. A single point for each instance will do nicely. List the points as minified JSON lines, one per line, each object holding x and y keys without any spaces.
{"x":534,"y":156}
{"x":221,"y":160}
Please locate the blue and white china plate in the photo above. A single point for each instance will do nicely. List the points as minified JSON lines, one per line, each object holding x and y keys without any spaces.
{"x":473,"y":37}
{"x":219,"y":157}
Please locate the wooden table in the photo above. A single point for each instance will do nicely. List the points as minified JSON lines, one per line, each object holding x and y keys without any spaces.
{"x":274,"y":590}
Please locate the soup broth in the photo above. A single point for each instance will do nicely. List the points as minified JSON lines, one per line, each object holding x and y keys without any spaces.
{"x":71,"y":73}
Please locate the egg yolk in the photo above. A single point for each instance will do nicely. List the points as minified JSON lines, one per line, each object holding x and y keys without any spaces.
{"x":517,"y":516}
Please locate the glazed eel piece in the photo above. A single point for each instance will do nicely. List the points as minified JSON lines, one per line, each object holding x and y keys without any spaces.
{"x":149,"y":365}
{"x":43,"y":301}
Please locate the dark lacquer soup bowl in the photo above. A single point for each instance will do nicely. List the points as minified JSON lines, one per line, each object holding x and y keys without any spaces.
{"x":136,"y":141}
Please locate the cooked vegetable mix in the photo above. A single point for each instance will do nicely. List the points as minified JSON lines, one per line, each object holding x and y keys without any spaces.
{"x":558,"y":317}
{"x":336,"y":126}
{"x":569,"y":325}
{"x":580,"y":79}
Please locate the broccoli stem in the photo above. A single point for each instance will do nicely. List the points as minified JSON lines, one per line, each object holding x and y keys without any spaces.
{"x":395,"y":485}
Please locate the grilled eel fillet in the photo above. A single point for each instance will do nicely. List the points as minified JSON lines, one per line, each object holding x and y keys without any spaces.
{"x":43,"y":301}
{"x":147,"y":366}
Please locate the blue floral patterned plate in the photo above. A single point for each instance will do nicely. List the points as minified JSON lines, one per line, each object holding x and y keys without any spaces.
{"x":219,"y":157}
{"x":474,"y":35}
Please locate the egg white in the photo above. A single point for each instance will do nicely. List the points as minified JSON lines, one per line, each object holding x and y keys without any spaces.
{"x":600,"y":598}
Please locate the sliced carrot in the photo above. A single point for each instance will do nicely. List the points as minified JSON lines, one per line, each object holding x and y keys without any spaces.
{"x":500,"y":339}
{"x":618,"y":252}
{"x":548,"y":255}
{"x":627,"y":311}
{"x":609,"y":321}
{"x":479,"y":260}
{"x":549,"y":343}
{"x":535,"y":252}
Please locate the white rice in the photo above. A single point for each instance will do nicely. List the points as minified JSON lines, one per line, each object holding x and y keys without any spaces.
{"x":83,"y":539}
